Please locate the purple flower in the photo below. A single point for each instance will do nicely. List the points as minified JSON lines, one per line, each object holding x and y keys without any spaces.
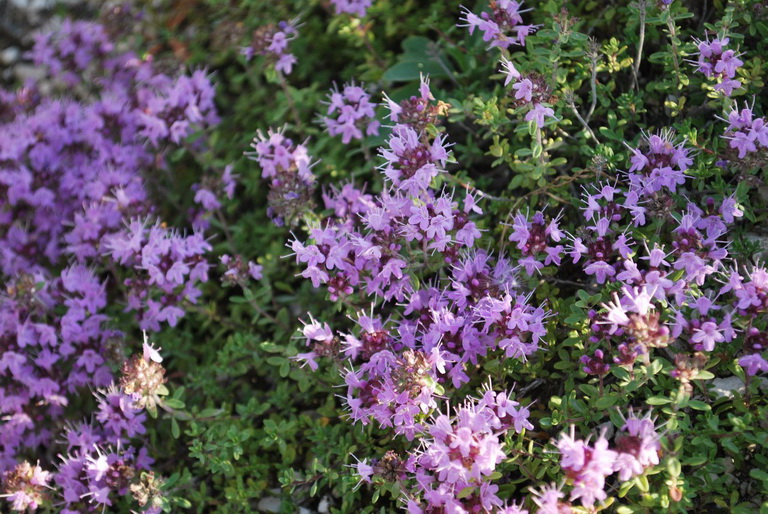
{"x":272,"y":42}
{"x":357,"y":7}
{"x":538,"y":113}
{"x":662,"y":165}
{"x":637,"y":447}
{"x":715,"y":62}
{"x":753,"y":364}
{"x":26,"y":487}
{"x":354,"y":113}
{"x":288,"y":167}
{"x":746,"y":132}
{"x":503,"y":26}
{"x":508,"y":69}
{"x":587,"y":466}
{"x":707,"y":336}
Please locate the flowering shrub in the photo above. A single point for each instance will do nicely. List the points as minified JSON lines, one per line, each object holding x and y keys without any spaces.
{"x":75,"y":214}
{"x":513,"y":263}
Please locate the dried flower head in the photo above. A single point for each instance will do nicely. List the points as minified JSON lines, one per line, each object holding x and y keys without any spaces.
{"x":143,"y":378}
{"x":147,"y":491}
{"x":25,"y":487}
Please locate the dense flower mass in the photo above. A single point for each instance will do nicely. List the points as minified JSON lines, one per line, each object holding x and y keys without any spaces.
{"x":544,"y":292}
{"x":75,"y":202}
{"x":167,"y":268}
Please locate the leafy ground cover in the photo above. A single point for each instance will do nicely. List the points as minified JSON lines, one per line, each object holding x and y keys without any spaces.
{"x":378,"y":255}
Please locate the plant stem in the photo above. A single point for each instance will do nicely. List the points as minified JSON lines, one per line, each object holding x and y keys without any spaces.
{"x":289,"y":98}
{"x":593,"y":88}
{"x":672,"y":37}
{"x":584,"y":122}
{"x":640,"y":43}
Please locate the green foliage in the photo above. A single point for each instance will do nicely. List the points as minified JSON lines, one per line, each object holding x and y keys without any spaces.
{"x":248,"y":423}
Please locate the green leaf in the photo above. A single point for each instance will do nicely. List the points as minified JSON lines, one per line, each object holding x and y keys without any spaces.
{"x":696,"y":460}
{"x":673,"y":467}
{"x":409,"y":70}
{"x":173,"y":403}
{"x":175,"y":431}
{"x":699,"y":405}
{"x":606,"y":401}
{"x":420,"y":55}
{"x":285,"y":368}
{"x":466,"y":492}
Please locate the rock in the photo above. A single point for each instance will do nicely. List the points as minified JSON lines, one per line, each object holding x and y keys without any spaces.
{"x":324,"y":506}
{"x":10,"y":55}
{"x":724,"y":387}
{"x":24,"y":72}
{"x":269,"y":504}
{"x":32,"y":5}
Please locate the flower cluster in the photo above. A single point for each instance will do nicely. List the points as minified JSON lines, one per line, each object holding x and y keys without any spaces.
{"x":354,"y":113}
{"x":54,"y":343}
{"x":100,"y":464}
{"x":715,"y":62}
{"x":453,"y":471}
{"x":746,"y":132}
{"x":72,"y":49}
{"x":502,"y":26}
{"x":25,"y":487}
{"x":370,"y":247}
{"x":418,"y":112}
{"x":531,"y":92}
{"x":587,"y":466}
{"x":288,"y":167}
{"x":166,"y":269}
{"x":536,"y":239}
{"x":356,"y":7}
{"x":661,"y":164}
{"x":73,"y":170}
{"x":272,"y":42}
{"x":399,"y":366}
{"x":173,"y":108}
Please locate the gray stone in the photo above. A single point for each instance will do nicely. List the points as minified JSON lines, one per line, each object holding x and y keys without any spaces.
{"x":724,"y":387}
{"x":324,"y":506}
{"x":10,"y":55}
{"x":24,"y":72}
{"x":269,"y":504}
